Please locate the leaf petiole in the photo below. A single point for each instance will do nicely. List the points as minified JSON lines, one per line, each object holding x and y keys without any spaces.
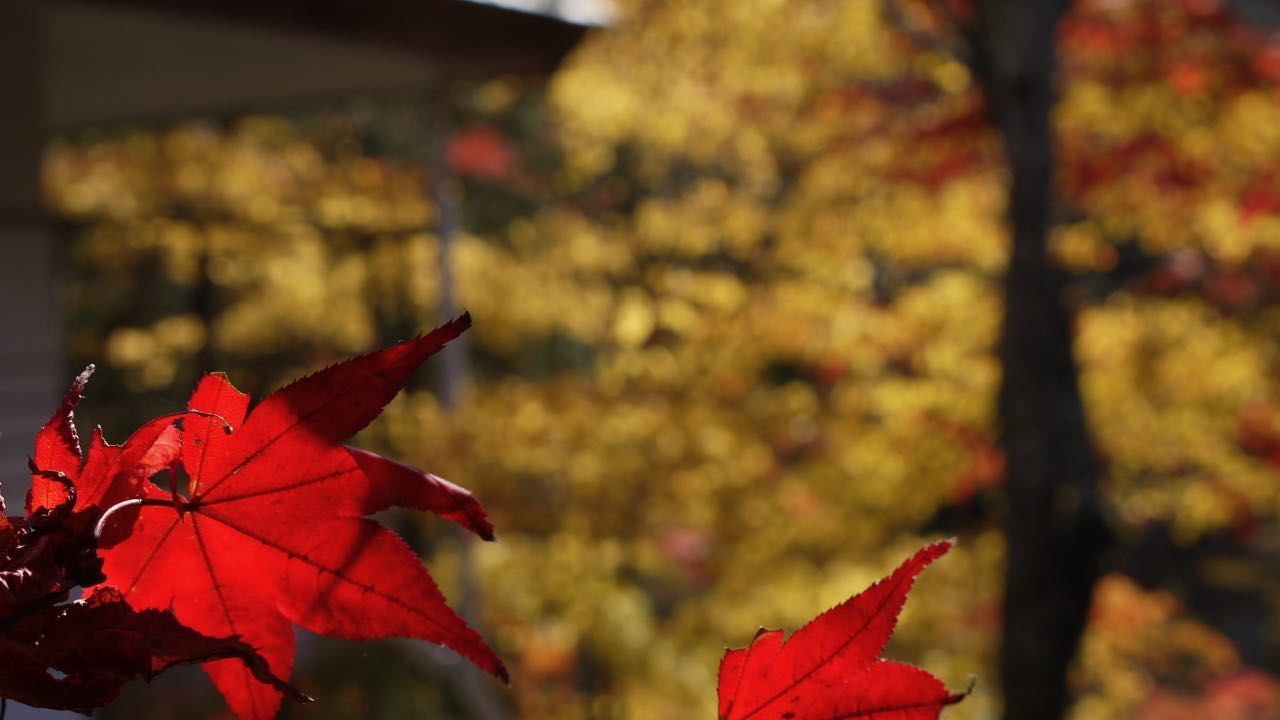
{"x":141,"y":502}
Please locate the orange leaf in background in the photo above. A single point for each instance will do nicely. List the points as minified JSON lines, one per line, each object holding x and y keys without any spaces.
{"x":272,"y":533}
{"x":481,"y":152}
{"x":831,"y":668}
{"x":1248,"y":695}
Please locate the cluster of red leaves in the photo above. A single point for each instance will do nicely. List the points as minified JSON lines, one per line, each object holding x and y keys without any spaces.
{"x":1232,"y":288}
{"x":1201,"y":51}
{"x":270,"y":532}
{"x":77,"y":655}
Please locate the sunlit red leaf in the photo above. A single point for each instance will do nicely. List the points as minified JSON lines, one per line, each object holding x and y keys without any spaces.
{"x":831,"y":668}
{"x":57,"y":450}
{"x":272,"y":532}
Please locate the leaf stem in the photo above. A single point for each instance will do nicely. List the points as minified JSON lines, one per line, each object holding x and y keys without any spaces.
{"x":147,"y":502}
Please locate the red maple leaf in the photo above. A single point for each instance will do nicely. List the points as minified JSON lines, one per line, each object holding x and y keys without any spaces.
{"x":79,"y":655}
{"x":271,"y":532}
{"x":831,"y":668}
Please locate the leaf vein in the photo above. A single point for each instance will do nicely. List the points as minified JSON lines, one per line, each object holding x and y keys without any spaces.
{"x":796,"y":681}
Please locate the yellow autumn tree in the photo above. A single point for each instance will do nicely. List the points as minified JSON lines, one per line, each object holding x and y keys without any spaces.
{"x":734,"y":339}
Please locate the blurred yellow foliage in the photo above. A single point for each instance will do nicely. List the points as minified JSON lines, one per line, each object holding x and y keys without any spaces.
{"x":757,"y":381}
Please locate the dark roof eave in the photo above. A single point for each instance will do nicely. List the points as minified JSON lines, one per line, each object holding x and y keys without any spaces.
{"x":471,"y":38}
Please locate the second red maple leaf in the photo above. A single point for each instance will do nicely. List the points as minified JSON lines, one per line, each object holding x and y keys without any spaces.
{"x":831,"y":668}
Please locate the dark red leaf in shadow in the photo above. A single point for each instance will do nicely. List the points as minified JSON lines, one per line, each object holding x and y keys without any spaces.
{"x":96,"y":645}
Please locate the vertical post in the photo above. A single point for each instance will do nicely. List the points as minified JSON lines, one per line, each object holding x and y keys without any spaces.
{"x":31,"y":359}
{"x":446,"y":194}
{"x":1053,"y":525}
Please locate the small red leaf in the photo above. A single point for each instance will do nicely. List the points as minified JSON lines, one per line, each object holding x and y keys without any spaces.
{"x":150,"y":449}
{"x":57,"y":450}
{"x":830,"y":668}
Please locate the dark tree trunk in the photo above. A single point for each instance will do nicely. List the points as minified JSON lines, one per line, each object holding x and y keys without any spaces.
{"x":1053,"y":523}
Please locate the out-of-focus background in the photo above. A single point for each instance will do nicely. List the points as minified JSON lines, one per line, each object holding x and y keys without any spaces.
{"x":738,"y":272}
